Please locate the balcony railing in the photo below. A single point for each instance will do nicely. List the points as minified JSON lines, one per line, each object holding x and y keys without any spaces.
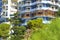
{"x":39,"y":8}
{"x":37,"y":2}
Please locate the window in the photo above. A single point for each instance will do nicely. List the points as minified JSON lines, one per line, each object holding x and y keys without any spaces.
{"x":11,"y":15}
{"x":19,"y":2}
{"x":23,"y":8}
{"x":22,"y":15}
{"x":56,"y":7}
{"x":40,"y":6}
{"x":0,"y":3}
{"x":39,"y":0}
{"x":6,"y":6}
{"x":0,"y":9}
{"x":47,"y":5}
{"x":52,"y":0}
{"x":27,"y":14}
{"x":34,"y":6}
{"x":19,"y":8}
{"x":3,"y":14}
{"x":28,"y":8}
{"x":28,"y":2}
{"x":47,"y":0}
{"x":15,"y":7}
{"x":52,"y":7}
{"x":33,"y":1}
{"x":32,"y":14}
{"x":6,"y":13}
{"x":59,"y":2}
{"x":56,"y":1}
{"x":40,"y":12}
{"x":22,"y":2}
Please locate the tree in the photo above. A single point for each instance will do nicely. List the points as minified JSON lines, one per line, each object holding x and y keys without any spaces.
{"x":18,"y":33}
{"x":18,"y":30}
{"x":4,"y":30}
{"x":58,"y":13}
{"x":16,"y":19}
{"x":37,"y":23}
{"x":51,"y":32}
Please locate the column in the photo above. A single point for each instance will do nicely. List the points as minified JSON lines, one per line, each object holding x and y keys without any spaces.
{"x":9,"y":8}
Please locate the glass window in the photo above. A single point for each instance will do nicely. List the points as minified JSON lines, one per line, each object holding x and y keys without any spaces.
{"x":40,"y":12}
{"x":0,"y":4}
{"x":0,"y":9}
{"x":28,"y":8}
{"x":56,"y":1}
{"x":33,"y":1}
{"x":52,"y":7}
{"x":6,"y":13}
{"x":56,"y":7}
{"x":22,"y":2}
{"x":47,"y":5}
{"x":34,"y":6}
{"x":52,"y":0}
{"x":19,"y":2}
{"x":39,"y":0}
{"x":22,"y":8}
{"x":27,"y":14}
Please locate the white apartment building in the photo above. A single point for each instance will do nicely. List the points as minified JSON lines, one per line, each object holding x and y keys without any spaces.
{"x":9,"y":8}
{"x":31,"y":9}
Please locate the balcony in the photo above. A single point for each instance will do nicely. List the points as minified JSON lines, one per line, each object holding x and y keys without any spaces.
{"x":46,"y":2}
{"x":32,"y":10}
{"x":39,"y":8}
{"x":37,"y":2}
{"x":5,"y":4}
{"x":13,"y":4}
{"x":29,"y":4}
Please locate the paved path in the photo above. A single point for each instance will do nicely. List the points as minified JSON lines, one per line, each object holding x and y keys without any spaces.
{"x":28,"y":34}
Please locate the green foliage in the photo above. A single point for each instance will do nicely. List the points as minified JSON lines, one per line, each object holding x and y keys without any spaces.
{"x":58,"y":13}
{"x":15,"y":20}
{"x":37,"y":23}
{"x":18,"y":30}
{"x":4,"y":30}
{"x":18,"y":33}
{"x":16,"y":38}
{"x":51,"y":32}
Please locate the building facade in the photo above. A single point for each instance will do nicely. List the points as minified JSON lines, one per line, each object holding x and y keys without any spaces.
{"x":1,"y":6}
{"x":1,"y":9}
{"x":31,"y":9}
{"x":9,"y":8}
